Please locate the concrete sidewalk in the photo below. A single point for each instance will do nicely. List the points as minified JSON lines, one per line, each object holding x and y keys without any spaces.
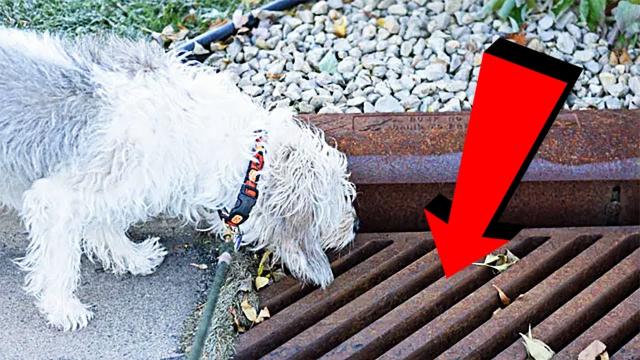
{"x":135,"y":317}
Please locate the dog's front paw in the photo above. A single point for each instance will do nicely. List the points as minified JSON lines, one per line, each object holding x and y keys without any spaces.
{"x":148,"y":256}
{"x":67,"y":314}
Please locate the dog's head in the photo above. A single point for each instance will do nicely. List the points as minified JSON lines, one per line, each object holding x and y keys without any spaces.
{"x":306,"y":200}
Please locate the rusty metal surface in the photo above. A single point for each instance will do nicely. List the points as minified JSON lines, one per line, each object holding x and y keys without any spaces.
{"x":584,"y":309}
{"x":534,"y":204}
{"x":305,"y":312}
{"x":577,"y":284}
{"x":417,"y":143}
{"x":630,"y":350}
{"x":586,"y":154}
{"x":614,"y":329}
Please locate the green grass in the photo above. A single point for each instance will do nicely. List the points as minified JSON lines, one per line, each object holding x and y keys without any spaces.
{"x":131,"y":18}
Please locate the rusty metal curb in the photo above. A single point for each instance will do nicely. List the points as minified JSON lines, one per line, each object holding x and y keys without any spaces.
{"x":588,"y":158}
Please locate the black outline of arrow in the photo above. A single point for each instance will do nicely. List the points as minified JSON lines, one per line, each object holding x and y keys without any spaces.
{"x":504,"y":49}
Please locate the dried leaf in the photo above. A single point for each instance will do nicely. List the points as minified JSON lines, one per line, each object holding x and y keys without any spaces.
{"x":500,"y":262}
{"x":595,"y":351}
{"x":380,"y":22}
{"x":272,"y":76}
{"x":264,"y":314}
{"x":519,"y":37}
{"x":503,"y":297}
{"x":624,"y":58}
{"x":249,"y":311}
{"x":216,"y":46}
{"x":169,"y":34}
{"x":536,"y":349}
{"x":236,"y":321}
{"x":340,"y":27}
{"x":261,"y":282}
{"x":217,"y":22}
{"x":199,"y":266}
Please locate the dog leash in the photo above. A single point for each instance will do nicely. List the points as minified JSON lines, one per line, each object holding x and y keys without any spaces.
{"x":247,"y":198}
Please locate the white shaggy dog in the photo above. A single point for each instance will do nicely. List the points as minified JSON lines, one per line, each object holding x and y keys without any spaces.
{"x":99,"y":133}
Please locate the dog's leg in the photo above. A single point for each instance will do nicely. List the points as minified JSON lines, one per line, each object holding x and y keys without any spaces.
{"x":52,"y":215}
{"x":119,"y":254}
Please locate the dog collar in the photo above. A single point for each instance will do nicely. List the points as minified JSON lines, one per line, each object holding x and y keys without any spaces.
{"x":248,"y":195}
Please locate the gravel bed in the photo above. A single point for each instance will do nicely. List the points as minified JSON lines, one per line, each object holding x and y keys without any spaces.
{"x":412,"y":55}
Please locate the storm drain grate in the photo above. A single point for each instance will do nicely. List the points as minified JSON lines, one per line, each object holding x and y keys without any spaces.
{"x":391,"y":301}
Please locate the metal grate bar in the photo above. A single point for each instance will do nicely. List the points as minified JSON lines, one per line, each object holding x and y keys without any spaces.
{"x":313,"y":307}
{"x":392,"y":301}
{"x":575,"y":316}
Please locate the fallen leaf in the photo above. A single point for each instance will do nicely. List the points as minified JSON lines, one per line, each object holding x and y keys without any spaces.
{"x":191,"y":16}
{"x":264,"y":314}
{"x":273,"y":76}
{"x":199,"y":266}
{"x":261,"y":282}
{"x":595,"y":351}
{"x":624,"y":58}
{"x":217,"y":22}
{"x":340,"y":27}
{"x":216,"y":46}
{"x":248,"y":310}
{"x":503,"y":297}
{"x":380,"y":22}
{"x":536,"y":349}
{"x":169,"y":34}
{"x":500,"y":262}
{"x":519,"y":38}
{"x":236,"y":321}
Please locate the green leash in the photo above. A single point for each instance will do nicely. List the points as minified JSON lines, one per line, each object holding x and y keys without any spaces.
{"x":224,"y":260}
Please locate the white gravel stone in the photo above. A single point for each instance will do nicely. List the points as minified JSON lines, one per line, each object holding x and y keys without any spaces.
{"x":398,"y":9}
{"x":607,"y":79}
{"x":406,"y":56}
{"x":388,"y":103}
{"x":435,"y":71}
{"x":545,"y":23}
{"x":452,"y":105}
{"x":565,"y":43}
{"x":424,"y":89}
{"x":451,"y":6}
{"x":320,"y":8}
{"x":583,"y":55}
{"x":616,"y":90}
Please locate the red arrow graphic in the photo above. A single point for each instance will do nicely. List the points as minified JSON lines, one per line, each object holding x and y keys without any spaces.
{"x":518,"y":96}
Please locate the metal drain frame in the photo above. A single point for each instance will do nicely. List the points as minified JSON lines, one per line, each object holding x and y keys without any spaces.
{"x":390,"y":299}
{"x":588,"y":158}
{"x":394,"y":303}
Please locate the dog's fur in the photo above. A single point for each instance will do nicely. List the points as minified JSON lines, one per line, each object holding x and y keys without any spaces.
{"x":99,"y":133}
